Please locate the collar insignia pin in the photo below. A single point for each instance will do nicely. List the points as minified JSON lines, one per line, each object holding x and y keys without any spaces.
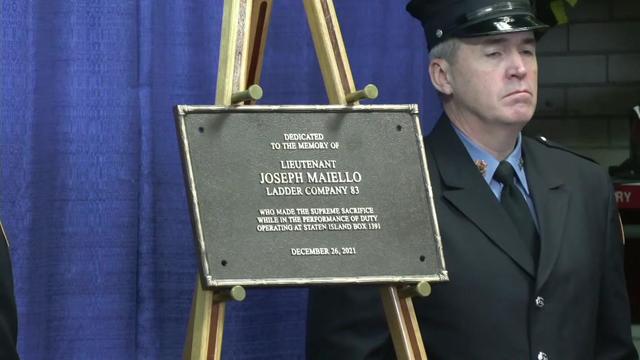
{"x":482,"y":166}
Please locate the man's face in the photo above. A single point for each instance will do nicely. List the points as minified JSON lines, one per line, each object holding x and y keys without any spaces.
{"x":494,"y":79}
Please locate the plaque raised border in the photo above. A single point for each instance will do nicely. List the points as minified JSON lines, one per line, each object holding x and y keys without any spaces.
{"x":195,"y":166}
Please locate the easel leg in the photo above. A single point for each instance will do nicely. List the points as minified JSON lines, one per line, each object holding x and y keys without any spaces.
{"x":329,"y":45}
{"x":403,"y":325}
{"x":245,"y":24}
{"x":206,"y":325}
{"x":258,"y":30}
{"x":338,"y":80}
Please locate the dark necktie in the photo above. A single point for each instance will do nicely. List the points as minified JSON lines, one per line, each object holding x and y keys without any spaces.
{"x":516,"y":207}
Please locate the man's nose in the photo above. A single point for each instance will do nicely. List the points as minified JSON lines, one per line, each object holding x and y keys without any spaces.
{"x":517,"y":65}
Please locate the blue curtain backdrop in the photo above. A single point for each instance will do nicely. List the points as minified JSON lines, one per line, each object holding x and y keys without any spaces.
{"x":92,"y":192}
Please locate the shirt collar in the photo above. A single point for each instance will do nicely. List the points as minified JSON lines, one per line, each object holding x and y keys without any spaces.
{"x":483,"y":158}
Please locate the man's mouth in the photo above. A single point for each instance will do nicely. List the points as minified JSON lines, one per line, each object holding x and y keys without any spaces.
{"x":519,"y":92}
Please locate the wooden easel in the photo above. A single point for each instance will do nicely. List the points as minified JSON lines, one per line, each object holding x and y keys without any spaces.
{"x":244,"y":31}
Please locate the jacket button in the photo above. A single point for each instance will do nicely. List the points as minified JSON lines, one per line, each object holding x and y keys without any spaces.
{"x":542,"y":356}
{"x":540,"y":302}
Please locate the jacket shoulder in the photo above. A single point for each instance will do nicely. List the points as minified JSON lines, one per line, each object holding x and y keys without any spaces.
{"x":555,"y":147}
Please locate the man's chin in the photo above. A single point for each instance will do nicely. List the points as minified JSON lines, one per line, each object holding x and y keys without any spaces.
{"x":519,"y":116}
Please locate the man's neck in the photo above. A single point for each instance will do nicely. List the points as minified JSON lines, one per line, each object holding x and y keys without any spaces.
{"x":498,"y":140}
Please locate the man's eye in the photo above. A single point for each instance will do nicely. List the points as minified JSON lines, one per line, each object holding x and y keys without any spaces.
{"x":528,"y":52}
{"x":493,"y":54}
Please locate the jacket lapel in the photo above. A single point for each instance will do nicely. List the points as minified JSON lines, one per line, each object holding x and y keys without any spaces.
{"x":551,"y":200}
{"x":465,"y":188}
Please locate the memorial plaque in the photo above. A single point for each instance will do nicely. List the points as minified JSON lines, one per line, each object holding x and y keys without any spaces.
{"x":296,"y":195}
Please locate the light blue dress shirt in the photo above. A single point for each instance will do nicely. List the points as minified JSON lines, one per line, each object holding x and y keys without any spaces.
{"x":515,"y":159}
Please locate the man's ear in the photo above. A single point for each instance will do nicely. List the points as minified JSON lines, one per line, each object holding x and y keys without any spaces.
{"x":440,"y":74}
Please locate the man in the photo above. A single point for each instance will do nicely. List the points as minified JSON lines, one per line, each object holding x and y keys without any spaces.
{"x":530,"y":232}
{"x":8,"y":316}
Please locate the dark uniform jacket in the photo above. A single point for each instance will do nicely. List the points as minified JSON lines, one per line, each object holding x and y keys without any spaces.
{"x":498,"y":305}
{"x":8,"y":316}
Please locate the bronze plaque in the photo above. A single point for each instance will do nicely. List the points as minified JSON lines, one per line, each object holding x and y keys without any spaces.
{"x":297,"y":195}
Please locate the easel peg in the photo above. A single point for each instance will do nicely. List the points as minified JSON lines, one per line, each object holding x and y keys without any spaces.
{"x":421,"y":289}
{"x":237,"y":293}
{"x":370,"y":92}
{"x":253,"y":93}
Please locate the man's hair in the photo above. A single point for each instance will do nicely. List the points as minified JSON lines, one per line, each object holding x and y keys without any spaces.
{"x":445,"y":50}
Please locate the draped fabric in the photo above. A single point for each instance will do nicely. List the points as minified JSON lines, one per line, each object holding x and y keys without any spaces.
{"x":91,"y":186}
